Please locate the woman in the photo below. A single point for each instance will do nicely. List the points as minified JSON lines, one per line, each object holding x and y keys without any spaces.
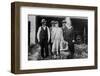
{"x":56,"y":39}
{"x":51,"y":40}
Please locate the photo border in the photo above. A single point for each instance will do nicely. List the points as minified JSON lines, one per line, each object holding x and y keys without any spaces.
{"x":15,"y":36}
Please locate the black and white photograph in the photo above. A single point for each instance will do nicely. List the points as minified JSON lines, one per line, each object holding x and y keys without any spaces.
{"x":57,"y":37}
{"x":53,"y":37}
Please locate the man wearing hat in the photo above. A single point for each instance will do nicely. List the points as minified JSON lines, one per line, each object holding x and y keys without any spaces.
{"x":68,"y":34}
{"x":43,"y":37}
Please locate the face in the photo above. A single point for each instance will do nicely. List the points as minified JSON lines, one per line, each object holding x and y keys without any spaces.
{"x":79,"y":39}
{"x":68,"y":25}
{"x":53,"y":25}
{"x":44,"y":23}
{"x":56,"y":24}
{"x":63,"y":24}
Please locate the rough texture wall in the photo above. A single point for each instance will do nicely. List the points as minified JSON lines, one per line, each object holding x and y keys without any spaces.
{"x":32,"y":20}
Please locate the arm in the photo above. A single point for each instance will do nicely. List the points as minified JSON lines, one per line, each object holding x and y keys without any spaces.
{"x":52,"y":35}
{"x":48,"y":34}
{"x":61,"y":34}
{"x":38,"y":33}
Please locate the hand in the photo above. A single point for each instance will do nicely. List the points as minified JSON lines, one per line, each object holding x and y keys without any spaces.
{"x":73,"y":41}
{"x":38,"y":40}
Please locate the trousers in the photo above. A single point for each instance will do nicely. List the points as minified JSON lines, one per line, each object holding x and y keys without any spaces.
{"x":44,"y":48}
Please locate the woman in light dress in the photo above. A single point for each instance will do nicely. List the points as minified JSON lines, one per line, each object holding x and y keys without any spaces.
{"x":51,"y":33}
{"x":56,"y":38}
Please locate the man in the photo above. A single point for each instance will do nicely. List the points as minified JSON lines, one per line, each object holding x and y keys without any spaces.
{"x":67,"y":31}
{"x":43,"y":36}
{"x":68,"y":34}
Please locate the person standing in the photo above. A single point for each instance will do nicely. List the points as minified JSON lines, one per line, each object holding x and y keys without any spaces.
{"x":43,"y":37}
{"x":56,"y":39}
{"x":51,"y":33}
{"x":68,"y":35}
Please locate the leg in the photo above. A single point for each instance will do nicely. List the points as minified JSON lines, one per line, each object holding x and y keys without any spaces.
{"x":58,"y":47}
{"x":51,"y":48}
{"x":71,"y":48}
{"x":42,"y":49}
{"x":46,"y":49}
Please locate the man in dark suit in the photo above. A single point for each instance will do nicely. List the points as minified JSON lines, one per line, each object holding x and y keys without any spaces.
{"x":43,"y":36}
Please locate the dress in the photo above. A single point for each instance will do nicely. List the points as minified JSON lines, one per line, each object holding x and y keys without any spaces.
{"x":56,"y":39}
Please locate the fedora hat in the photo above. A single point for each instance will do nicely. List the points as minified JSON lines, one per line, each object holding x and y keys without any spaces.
{"x":52,"y":22}
{"x":43,"y":21}
{"x":63,"y":21}
{"x":56,"y":22}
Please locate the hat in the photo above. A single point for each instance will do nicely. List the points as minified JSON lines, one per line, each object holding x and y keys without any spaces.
{"x":63,"y":21}
{"x":56,"y":22}
{"x":52,"y":22}
{"x":43,"y":21}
